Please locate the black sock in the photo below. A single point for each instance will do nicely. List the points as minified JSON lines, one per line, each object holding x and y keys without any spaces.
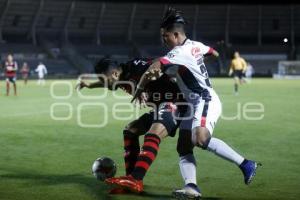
{"x":236,"y":87}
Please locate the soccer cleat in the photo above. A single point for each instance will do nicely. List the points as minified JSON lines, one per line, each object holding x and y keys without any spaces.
{"x":127,"y":182}
{"x":113,"y":180}
{"x":248,"y":168}
{"x":190,"y":191}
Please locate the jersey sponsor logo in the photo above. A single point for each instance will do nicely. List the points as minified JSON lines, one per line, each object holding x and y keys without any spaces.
{"x":196,"y":52}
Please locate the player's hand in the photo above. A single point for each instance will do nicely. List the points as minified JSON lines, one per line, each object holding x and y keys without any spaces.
{"x":153,"y":74}
{"x":216,"y":54}
{"x":141,"y":100}
{"x":137,"y":94}
{"x":81,"y":85}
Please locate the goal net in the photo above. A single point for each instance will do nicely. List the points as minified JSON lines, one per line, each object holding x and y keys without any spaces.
{"x":288,"y":70}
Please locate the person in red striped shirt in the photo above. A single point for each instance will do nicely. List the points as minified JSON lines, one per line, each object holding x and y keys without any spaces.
{"x":10,"y":69}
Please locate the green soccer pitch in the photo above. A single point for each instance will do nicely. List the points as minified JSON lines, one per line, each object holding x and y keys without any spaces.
{"x":48,"y":155}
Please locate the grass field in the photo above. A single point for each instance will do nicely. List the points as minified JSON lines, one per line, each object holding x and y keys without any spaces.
{"x":42,"y":158}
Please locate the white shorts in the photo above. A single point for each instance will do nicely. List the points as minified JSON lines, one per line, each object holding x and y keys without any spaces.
{"x":203,"y":113}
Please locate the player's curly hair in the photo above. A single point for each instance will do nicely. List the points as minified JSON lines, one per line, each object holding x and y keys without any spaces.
{"x":104,"y":64}
{"x":172,"y":17}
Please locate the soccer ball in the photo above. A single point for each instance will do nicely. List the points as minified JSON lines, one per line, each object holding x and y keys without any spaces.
{"x":104,"y":168}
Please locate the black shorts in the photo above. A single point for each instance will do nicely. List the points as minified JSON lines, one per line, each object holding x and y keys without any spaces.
{"x":167,"y":114}
{"x":239,"y":74}
{"x":11,"y":79}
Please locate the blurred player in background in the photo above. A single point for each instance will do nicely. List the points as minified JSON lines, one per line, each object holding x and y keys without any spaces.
{"x":42,"y":71}
{"x":238,"y":68}
{"x":249,"y":72}
{"x":25,"y":72}
{"x":10,"y":69}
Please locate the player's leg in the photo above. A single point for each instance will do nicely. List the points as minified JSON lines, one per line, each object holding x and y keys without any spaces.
{"x":203,"y":139}
{"x":187,"y":161}
{"x":25,"y":79}
{"x":162,"y":125}
{"x":242,"y":78}
{"x":236,"y":84}
{"x":131,"y":135}
{"x":148,"y":153}
{"x":40,"y":79}
{"x":7,"y":86}
{"x":14,"y":85}
{"x":208,"y":112}
{"x":149,"y":150}
{"x":187,"y":164}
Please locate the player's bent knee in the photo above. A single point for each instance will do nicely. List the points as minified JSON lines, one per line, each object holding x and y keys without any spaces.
{"x":128,"y":133}
{"x":129,"y":130}
{"x":158,"y":129}
{"x":185,"y":145}
{"x":133,"y":128}
{"x":203,"y":143}
{"x":202,"y":137}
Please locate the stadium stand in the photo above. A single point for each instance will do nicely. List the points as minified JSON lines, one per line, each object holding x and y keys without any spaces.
{"x":94,"y":29}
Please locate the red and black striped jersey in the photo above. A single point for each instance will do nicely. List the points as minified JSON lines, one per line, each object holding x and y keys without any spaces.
{"x":11,"y":69}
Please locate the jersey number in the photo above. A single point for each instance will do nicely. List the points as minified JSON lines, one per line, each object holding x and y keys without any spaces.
{"x":137,"y":62}
{"x":203,"y":71}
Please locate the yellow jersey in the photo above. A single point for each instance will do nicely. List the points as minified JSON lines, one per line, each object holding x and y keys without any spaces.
{"x":238,"y":64}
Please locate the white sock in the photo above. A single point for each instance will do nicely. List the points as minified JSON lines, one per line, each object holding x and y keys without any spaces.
{"x":221,"y":149}
{"x":187,"y":166}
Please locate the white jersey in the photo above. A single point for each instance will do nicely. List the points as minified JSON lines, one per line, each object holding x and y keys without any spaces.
{"x":41,"y":70}
{"x":185,"y":62}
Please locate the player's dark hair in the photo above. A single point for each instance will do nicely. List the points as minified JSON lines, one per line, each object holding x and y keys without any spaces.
{"x":104,"y":65}
{"x":172,"y":20}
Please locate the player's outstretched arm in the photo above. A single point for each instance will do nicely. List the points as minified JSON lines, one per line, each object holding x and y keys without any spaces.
{"x":215,"y":53}
{"x":82,"y":84}
{"x":153,"y":72}
{"x":212,"y":53}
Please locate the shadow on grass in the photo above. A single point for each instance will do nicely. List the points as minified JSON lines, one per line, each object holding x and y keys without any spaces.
{"x":94,"y":187}
{"x":97,"y":189}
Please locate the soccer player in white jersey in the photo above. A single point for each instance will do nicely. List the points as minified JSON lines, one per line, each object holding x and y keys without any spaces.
{"x":185,"y":62}
{"x":42,"y":71}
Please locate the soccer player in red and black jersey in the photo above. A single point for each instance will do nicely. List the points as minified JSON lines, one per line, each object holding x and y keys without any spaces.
{"x":10,"y":69}
{"x":25,"y":72}
{"x":162,"y":95}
